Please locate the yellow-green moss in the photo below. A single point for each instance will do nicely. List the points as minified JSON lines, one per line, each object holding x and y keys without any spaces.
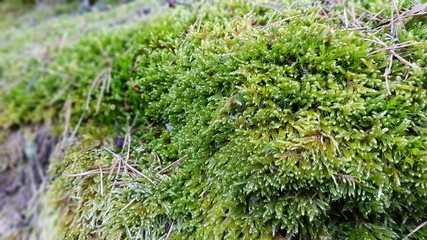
{"x":282,"y":121}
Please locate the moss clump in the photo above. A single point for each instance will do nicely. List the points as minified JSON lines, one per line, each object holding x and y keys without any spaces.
{"x":288,"y":128}
{"x":286,"y":122}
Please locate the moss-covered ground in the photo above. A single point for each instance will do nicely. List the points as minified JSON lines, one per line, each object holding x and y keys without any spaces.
{"x":227,"y":119}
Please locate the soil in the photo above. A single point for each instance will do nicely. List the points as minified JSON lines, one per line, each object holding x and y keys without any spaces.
{"x":25,"y":155}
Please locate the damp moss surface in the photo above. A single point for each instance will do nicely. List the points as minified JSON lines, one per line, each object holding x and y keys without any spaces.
{"x":235,"y":120}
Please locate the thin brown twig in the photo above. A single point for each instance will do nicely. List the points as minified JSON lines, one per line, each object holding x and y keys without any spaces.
{"x":74,"y":133}
{"x":394,"y":47}
{"x":387,"y":72}
{"x":355,"y":22}
{"x":393,"y":28}
{"x":116,"y":161}
{"x":127,"y":205}
{"x":129,"y":166}
{"x":366,"y":10}
{"x":157,"y":158}
{"x":378,"y":41}
{"x":390,"y":60}
{"x":375,"y":17}
{"x":271,"y":18}
{"x":166,"y":236}
{"x":170,"y":231}
{"x":104,"y":78}
{"x":82,"y":174}
{"x":174,"y":164}
{"x":399,"y":17}
{"x":345,"y":18}
{"x":128,"y":149}
{"x":418,"y":10}
{"x":87,"y":173}
{"x":404,"y":60}
{"x":139,"y":173}
{"x":416,"y":230}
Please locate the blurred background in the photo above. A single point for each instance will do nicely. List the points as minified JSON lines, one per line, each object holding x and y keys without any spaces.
{"x":10,"y":9}
{"x":32,"y":34}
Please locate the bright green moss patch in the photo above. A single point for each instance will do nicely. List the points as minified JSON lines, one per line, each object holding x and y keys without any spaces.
{"x":276,"y":123}
{"x":286,"y":126}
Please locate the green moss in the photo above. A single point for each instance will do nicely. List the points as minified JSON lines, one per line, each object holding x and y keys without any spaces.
{"x":284,"y":119}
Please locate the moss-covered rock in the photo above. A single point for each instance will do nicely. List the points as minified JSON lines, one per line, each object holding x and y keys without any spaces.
{"x":248,"y":121}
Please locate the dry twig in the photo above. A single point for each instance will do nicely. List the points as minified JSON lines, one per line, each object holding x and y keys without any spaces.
{"x":174,"y":164}
{"x":416,"y":230}
{"x":387,"y":72}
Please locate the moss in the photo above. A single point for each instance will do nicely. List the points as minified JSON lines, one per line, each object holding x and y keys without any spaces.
{"x":282,"y":123}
